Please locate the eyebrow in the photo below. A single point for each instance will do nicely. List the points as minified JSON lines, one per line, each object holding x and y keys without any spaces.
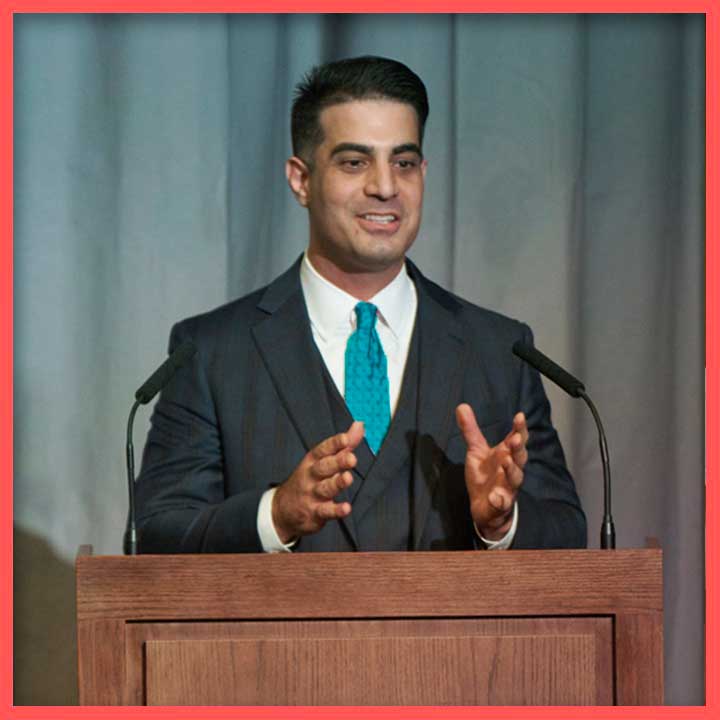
{"x":367,"y":150}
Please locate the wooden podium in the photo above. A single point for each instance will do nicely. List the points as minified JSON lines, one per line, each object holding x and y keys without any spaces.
{"x":558,"y":627}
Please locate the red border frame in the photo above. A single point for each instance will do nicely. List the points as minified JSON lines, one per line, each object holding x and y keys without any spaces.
{"x":711,"y":359}
{"x":6,"y":358}
{"x":359,"y":6}
{"x":710,"y":710}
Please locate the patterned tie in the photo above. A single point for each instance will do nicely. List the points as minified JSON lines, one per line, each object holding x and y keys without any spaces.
{"x":367,"y":392}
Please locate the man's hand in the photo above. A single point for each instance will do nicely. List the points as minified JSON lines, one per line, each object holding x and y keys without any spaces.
{"x":305,"y":501}
{"x":493,"y":475}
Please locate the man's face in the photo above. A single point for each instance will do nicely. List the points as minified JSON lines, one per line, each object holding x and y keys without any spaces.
{"x":364,"y":190}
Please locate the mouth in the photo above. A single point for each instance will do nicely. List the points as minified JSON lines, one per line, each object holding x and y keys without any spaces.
{"x":379,"y":222}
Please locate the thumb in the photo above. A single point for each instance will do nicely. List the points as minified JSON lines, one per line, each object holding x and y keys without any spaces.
{"x":467,"y":423}
{"x":355,"y":434}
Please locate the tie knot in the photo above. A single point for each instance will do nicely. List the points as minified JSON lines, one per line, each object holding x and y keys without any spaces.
{"x":366,"y":315}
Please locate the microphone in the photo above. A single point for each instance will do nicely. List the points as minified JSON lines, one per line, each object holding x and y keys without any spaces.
{"x":545,"y":366}
{"x":572,"y":386}
{"x":145,"y":393}
{"x":161,"y":377}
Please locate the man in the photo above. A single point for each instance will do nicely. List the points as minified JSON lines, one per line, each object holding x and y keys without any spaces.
{"x":352,"y":404}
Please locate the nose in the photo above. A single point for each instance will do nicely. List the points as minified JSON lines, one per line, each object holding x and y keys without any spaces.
{"x":381,"y":182}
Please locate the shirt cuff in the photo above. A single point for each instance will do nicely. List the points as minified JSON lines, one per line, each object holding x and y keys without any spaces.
{"x":269,"y":539}
{"x":504,"y":542}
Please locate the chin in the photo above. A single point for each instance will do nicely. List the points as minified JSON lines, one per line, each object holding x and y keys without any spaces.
{"x":383,"y":252}
{"x":379,"y":261}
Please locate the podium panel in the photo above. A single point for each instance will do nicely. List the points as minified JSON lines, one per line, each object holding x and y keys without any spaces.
{"x":554,"y":661}
{"x":429,"y":629}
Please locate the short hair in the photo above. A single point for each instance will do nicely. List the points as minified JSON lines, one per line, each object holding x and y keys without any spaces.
{"x":360,"y":78}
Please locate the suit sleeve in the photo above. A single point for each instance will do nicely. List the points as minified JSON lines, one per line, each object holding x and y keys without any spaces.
{"x":180,"y":492}
{"x":550,"y":512}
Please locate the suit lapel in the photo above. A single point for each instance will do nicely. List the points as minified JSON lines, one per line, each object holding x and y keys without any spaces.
{"x":284,"y":340}
{"x":443,"y":357}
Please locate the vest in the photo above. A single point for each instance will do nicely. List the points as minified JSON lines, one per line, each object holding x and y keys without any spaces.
{"x":380,"y":495}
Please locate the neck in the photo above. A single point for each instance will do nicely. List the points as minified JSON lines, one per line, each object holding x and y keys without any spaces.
{"x":362,"y":285}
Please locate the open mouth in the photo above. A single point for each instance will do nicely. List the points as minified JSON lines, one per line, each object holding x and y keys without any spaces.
{"x":380,"y":222}
{"x":384,"y":219}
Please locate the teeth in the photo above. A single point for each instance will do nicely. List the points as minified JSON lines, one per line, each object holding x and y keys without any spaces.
{"x":380,"y":218}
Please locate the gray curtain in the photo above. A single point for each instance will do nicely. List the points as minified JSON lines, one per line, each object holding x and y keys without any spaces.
{"x":565,"y":188}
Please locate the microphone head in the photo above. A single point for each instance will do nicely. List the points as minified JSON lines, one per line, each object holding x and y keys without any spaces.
{"x":164,"y":373}
{"x":545,"y":366}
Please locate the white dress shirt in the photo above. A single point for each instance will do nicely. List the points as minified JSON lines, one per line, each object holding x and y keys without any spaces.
{"x":332,"y":321}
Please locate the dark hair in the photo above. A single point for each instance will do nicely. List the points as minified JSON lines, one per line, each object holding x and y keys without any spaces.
{"x":359,"y":78}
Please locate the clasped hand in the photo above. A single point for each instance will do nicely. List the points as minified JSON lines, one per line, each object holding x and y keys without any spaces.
{"x":306,"y":500}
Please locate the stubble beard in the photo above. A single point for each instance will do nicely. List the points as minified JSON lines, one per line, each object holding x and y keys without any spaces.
{"x":367,"y":254}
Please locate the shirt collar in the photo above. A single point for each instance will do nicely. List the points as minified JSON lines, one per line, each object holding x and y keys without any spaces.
{"x":331,"y":309}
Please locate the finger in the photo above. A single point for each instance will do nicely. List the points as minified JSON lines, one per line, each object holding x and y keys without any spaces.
{"x":331,"y":511}
{"x":330,"y":446}
{"x":520,"y":457}
{"x":328,"y":466}
{"x":516,"y":440}
{"x":515,"y":443}
{"x":329,"y":488}
{"x":500,"y":500}
{"x":465,"y":417}
{"x":520,"y":425}
{"x":483,"y":468}
{"x":513,"y":473}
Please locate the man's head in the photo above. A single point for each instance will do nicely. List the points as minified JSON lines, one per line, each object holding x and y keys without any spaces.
{"x":358,"y":168}
{"x":360,"y":78}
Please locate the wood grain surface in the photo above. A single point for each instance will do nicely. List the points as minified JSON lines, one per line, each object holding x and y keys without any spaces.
{"x":639,"y":658}
{"x":558,"y":627}
{"x":101,"y":662}
{"x":551,"y":582}
{"x":456,"y":662}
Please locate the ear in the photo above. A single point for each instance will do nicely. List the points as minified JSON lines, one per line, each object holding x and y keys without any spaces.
{"x":423,"y":167}
{"x":298,"y":175}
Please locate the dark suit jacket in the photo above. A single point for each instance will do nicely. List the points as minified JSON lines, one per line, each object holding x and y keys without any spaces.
{"x":242,"y":414}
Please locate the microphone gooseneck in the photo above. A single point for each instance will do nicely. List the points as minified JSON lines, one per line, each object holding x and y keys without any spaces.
{"x":131,"y":545}
{"x":571,"y":385}
{"x":145,"y":393}
{"x":607,"y":532}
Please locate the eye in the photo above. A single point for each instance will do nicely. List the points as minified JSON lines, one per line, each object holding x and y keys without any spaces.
{"x":353,"y":164}
{"x":407,"y":163}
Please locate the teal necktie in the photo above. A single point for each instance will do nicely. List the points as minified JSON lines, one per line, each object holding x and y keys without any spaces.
{"x":367,"y":392}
